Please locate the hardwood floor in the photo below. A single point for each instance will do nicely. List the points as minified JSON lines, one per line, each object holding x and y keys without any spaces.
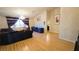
{"x":40,"y":42}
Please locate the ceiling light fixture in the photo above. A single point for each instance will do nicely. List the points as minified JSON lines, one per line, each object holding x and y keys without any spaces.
{"x":22,"y":17}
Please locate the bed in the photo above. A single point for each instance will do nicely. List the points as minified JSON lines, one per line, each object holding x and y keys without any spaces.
{"x":9,"y":36}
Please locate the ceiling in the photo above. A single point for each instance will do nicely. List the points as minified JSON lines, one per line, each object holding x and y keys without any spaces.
{"x":22,"y":11}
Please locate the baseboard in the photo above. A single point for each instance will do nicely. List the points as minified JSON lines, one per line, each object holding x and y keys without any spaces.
{"x":69,"y":40}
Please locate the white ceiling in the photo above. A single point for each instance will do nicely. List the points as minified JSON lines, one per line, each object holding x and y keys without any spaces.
{"x":21,"y":11}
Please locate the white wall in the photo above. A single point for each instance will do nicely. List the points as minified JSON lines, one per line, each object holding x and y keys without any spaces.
{"x":55,"y":27}
{"x":51,"y":14}
{"x":69,"y":24}
{"x":3,"y":22}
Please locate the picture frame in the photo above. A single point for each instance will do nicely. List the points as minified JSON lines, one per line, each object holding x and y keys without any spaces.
{"x":38,"y":18}
{"x":57,"y":19}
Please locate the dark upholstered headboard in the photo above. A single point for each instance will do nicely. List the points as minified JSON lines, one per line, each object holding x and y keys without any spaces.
{"x":12,"y":20}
